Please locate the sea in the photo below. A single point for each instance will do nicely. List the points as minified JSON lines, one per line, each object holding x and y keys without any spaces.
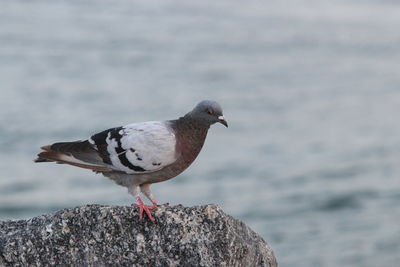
{"x":310,"y":89}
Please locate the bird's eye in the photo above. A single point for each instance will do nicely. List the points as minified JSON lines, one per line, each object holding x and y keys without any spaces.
{"x":209,"y":111}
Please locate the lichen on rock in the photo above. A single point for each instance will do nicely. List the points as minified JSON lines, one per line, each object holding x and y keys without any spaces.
{"x":96,"y":235}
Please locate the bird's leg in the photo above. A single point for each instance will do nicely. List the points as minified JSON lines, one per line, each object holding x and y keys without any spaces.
{"x":145,"y":188}
{"x":134,"y":190}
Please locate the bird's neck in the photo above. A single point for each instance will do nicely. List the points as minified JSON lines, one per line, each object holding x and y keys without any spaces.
{"x":190,"y":136}
{"x":187,"y":126}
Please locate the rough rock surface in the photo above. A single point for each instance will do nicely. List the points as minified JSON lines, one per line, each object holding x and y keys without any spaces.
{"x":96,"y":235}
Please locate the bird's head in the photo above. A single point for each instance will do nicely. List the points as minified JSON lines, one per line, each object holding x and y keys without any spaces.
{"x":209,"y":112}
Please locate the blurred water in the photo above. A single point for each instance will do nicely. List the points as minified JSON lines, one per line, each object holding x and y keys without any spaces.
{"x":310,"y":90}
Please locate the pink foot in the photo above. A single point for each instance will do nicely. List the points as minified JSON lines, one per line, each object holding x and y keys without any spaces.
{"x":142,"y":207}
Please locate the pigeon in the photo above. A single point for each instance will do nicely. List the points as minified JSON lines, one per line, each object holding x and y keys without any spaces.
{"x":140,"y":154}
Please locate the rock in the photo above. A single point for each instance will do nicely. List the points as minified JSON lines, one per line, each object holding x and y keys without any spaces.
{"x":96,"y":235}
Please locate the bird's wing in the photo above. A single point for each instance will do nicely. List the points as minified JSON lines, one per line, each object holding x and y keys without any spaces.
{"x":137,"y":148}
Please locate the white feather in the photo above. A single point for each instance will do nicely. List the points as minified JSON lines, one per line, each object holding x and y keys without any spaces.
{"x":144,"y":144}
{"x":72,"y":159}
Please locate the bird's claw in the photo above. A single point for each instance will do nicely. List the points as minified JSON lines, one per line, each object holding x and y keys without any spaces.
{"x":144,"y":208}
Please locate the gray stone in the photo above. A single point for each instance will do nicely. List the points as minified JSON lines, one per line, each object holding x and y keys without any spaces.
{"x":96,"y":235}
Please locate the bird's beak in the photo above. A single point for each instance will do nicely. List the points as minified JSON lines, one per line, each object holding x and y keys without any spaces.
{"x":222,"y":120}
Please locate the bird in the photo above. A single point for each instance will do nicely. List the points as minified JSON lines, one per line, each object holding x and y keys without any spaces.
{"x":138,"y":155}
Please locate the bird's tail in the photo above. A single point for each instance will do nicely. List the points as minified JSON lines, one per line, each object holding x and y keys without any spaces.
{"x":79,"y":153}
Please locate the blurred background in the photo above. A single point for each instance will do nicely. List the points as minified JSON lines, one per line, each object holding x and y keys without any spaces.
{"x":311,"y":91}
